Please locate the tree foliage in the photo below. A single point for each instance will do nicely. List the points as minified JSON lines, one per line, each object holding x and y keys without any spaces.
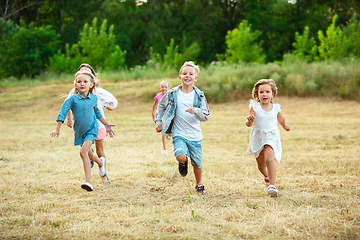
{"x":242,"y":45}
{"x":96,"y":46}
{"x":199,"y":28}
{"x":305,"y":48}
{"x":28,"y":51}
{"x":331,"y":44}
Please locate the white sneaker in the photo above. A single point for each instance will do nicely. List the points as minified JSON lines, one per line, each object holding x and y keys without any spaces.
{"x":87,"y":186}
{"x":165,"y":152}
{"x":102,"y":171}
{"x":272,"y":191}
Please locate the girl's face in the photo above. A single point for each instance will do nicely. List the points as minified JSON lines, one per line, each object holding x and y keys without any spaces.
{"x":265,"y":93}
{"x":188,"y":76}
{"x":83,"y":84}
{"x":164,"y":87}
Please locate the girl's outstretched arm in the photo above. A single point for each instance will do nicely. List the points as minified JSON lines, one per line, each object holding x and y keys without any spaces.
{"x":108,"y":126}
{"x":281,"y":120}
{"x":56,"y":132}
{"x":250,"y":119}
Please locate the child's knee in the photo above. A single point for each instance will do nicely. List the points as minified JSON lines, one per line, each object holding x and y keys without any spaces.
{"x":181,"y":158}
{"x":83,"y":153}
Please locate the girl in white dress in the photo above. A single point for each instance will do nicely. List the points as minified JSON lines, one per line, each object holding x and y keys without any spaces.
{"x":265,"y":136}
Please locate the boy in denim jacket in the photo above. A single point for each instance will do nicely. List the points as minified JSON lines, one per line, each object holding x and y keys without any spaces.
{"x":184,"y":107}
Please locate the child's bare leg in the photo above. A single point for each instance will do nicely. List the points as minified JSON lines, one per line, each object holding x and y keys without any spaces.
{"x":84,"y":154}
{"x":164,"y":141}
{"x":261,"y":164}
{"x":197,"y":173}
{"x":94,"y":158}
{"x":270,"y":164}
{"x":181,"y":158}
{"x":99,"y":144}
{"x":100,"y":152}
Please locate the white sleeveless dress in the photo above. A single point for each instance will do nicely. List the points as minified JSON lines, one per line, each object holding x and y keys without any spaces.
{"x":264,"y":131}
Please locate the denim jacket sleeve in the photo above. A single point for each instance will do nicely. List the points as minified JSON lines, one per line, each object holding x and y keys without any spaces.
{"x":203,"y":113}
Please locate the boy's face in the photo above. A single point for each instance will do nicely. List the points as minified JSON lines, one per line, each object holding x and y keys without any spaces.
{"x":164,"y":87}
{"x":188,"y":76}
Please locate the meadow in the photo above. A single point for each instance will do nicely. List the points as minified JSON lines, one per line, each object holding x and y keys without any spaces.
{"x":40,"y":195}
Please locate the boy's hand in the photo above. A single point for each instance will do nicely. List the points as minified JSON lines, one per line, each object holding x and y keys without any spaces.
{"x":158,"y":127}
{"x":55,"y":133}
{"x":287,"y":127}
{"x":190,"y":110}
{"x":109,"y":131}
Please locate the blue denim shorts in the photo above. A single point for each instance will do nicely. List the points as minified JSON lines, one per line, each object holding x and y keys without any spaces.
{"x":193,"y":149}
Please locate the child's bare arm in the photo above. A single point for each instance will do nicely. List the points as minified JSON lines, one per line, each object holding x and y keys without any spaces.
{"x":108,"y":126}
{"x":69,"y":120}
{"x":56,"y":132}
{"x":154,"y":109}
{"x":281,"y":120}
{"x":250,"y":119}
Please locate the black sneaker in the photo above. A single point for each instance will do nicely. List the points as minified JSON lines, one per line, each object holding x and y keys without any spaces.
{"x":183,"y":169}
{"x":200,"y":189}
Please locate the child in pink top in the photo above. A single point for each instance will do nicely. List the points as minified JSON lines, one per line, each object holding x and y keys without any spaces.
{"x":164,"y":86}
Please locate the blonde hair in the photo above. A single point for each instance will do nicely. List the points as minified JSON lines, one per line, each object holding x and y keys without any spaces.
{"x":190,"y":64}
{"x":255,"y":91}
{"x":92,"y":77}
{"x":97,"y":80}
{"x":165,"y":82}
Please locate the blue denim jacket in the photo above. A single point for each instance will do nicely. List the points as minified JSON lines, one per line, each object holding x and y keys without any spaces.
{"x":167,"y":106}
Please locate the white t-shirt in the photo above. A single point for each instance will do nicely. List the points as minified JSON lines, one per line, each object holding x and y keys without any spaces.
{"x":185,"y":124}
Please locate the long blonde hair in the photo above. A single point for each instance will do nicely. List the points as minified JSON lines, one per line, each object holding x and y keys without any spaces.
{"x":92,"y":77}
{"x":255,"y":91}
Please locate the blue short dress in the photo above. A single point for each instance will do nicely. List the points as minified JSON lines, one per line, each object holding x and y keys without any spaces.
{"x":85,"y":112}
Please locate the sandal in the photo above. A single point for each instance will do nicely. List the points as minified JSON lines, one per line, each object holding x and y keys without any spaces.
{"x":267,"y":181}
{"x":272,"y":191}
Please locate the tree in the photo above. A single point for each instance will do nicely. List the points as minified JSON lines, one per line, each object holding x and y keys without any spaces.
{"x":28,"y":51}
{"x":331,"y":44}
{"x":96,"y":47}
{"x":242,"y":45}
{"x":305,"y":47}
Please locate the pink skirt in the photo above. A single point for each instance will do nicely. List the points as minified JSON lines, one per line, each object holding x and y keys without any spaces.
{"x":101,"y":134}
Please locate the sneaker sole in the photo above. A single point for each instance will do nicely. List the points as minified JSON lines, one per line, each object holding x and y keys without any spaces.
{"x":87,"y":188}
{"x":272,"y":193}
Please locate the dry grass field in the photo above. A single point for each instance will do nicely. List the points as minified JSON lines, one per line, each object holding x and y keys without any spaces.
{"x":41,"y":198}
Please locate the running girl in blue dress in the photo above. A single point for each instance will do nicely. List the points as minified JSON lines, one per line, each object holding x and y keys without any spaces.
{"x":83,"y":105}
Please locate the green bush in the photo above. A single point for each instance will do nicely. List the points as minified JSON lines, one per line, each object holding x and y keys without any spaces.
{"x":305,"y":47}
{"x":242,"y":45}
{"x":172,"y":57}
{"x":331,"y":44}
{"x":28,"y":51}
{"x":96,"y":47}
